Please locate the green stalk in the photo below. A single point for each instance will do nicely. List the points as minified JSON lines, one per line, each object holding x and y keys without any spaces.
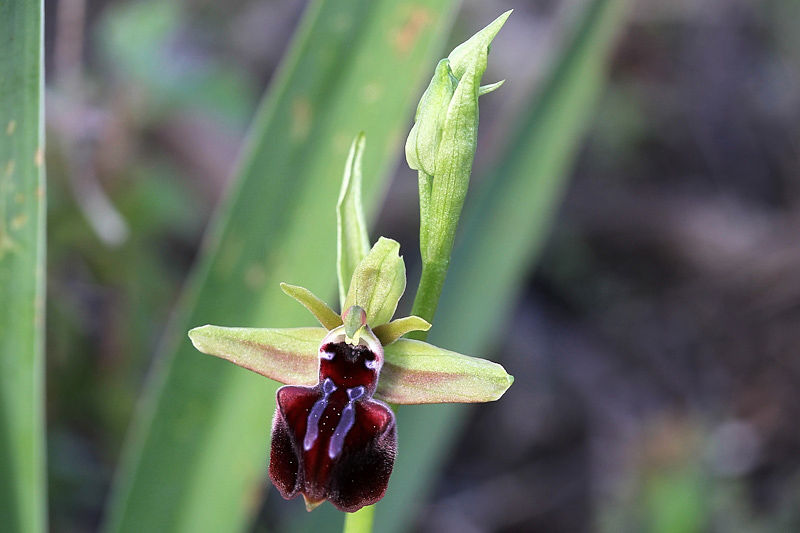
{"x":428,"y":293}
{"x":360,"y":521}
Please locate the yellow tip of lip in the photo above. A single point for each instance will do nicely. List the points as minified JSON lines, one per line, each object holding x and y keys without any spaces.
{"x":311,"y":504}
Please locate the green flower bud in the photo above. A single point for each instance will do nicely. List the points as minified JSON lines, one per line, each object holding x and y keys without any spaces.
{"x":441,"y":147}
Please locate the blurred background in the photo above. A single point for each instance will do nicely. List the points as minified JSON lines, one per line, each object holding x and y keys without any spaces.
{"x":655,"y":343}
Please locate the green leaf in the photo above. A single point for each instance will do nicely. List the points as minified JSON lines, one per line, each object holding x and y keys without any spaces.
{"x":378,"y":282}
{"x":416,"y":372}
{"x":23,"y":506}
{"x":353,"y":237}
{"x":195,"y":459}
{"x":288,"y":355}
{"x":390,"y":332}
{"x":326,"y":316}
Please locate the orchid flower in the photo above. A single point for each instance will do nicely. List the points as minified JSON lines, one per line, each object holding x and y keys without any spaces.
{"x":333,"y":435}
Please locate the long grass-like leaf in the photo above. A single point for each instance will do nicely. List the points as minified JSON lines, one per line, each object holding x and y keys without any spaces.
{"x":197,"y":453}
{"x":22,"y":248}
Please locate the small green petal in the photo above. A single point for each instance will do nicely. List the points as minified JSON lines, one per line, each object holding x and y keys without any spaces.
{"x":326,"y":316}
{"x":285,"y":355}
{"x":353,"y":239}
{"x":416,"y":372}
{"x":388,"y":333}
{"x":378,"y":282}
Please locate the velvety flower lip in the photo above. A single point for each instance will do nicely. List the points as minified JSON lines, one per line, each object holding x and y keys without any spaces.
{"x":333,"y":441}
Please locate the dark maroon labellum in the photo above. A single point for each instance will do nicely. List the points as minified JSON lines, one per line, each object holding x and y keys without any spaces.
{"x":333,"y":441}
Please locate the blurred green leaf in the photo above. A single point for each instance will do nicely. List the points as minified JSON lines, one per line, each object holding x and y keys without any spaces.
{"x":22,"y":249}
{"x":677,"y":500}
{"x":142,"y":41}
{"x":197,"y":453}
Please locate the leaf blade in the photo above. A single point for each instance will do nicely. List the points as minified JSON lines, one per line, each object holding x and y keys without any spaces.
{"x":22,"y":255}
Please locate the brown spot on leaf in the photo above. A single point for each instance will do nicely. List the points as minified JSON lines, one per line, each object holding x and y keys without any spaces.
{"x":406,"y":36}
{"x":302,"y":115}
{"x":372,"y":92}
{"x":18,"y":221}
{"x":255,"y":276}
{"x":11,"y":126}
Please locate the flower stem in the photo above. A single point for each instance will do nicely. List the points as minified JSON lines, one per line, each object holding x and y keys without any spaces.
{"x":430,"y":289}
{"x":360,"y":521}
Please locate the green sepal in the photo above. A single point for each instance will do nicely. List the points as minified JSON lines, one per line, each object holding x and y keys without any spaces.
{"x":326,"y":316}
{"x":391,"y":331}
{"x":378,"y":282}
{"x":288,"y":355}
{"x":415,"y":372}
{"x":423,"y":140}
{"x":352,"y":234}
